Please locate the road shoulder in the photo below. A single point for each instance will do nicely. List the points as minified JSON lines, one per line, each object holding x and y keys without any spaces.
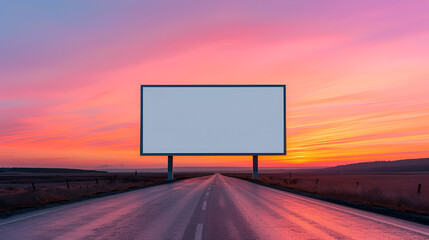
{"x":412,"y":217}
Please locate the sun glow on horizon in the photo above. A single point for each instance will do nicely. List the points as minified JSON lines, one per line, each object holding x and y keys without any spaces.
{"x":356,"y":77}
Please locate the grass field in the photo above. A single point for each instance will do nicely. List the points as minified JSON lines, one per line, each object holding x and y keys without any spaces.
{"x":18,"y":191}
{"x":394,"y":191}
{"x":397,"y":191}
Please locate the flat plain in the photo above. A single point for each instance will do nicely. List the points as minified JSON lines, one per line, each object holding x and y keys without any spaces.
{"x":398,"y":191}
{"x":20,"y":190}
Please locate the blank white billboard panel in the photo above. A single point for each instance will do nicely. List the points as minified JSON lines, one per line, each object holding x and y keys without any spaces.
{"x":213,"y":120}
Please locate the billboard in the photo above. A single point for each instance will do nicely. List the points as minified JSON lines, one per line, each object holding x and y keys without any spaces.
{"x":213,"y":120}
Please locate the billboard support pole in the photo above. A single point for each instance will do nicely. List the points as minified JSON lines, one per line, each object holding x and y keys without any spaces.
{"x":170,"y":168}
{"x":255,"y":166}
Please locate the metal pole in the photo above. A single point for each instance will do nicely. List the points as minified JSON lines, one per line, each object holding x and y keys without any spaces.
{"x":170,"y":168}
{"x":255,"y":166}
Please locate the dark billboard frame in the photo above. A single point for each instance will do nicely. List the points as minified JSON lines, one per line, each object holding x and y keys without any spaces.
{"x":211,"y":154}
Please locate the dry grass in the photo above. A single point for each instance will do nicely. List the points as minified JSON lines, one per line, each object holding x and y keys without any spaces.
{"x":394,"y":191}
{"x":17,"y":192}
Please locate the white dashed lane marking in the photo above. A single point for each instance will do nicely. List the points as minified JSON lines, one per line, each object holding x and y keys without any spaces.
{"x":199,"y":232}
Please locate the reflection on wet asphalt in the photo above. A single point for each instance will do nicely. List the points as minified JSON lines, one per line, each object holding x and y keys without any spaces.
{"x":211,"y":207}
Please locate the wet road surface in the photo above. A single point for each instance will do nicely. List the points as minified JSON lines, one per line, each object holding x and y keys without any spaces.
{"x":211,"y":207}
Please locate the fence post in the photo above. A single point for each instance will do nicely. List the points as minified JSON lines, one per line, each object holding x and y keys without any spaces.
{"x":68,"y":186}
{"x":419,"y":188}
{"x":96,"y":180}
{"x":34,"y":187}
{"x":317,"y":181}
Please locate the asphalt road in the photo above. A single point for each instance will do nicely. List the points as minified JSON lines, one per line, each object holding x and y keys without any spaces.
{"x":212,"y":207}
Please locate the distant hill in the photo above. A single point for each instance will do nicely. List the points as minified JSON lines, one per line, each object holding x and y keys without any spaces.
{"x":46,"y":170}
{"x":408,"y":165}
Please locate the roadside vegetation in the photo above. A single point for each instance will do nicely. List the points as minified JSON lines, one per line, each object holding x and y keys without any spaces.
{"x":18,"y":191}
{"x":406,"y":192}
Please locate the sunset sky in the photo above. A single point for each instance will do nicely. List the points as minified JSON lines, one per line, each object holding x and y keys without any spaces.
{"x":357,"y":76}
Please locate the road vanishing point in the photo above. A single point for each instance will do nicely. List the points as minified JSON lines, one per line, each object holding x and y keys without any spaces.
{"x":210,"y":207}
